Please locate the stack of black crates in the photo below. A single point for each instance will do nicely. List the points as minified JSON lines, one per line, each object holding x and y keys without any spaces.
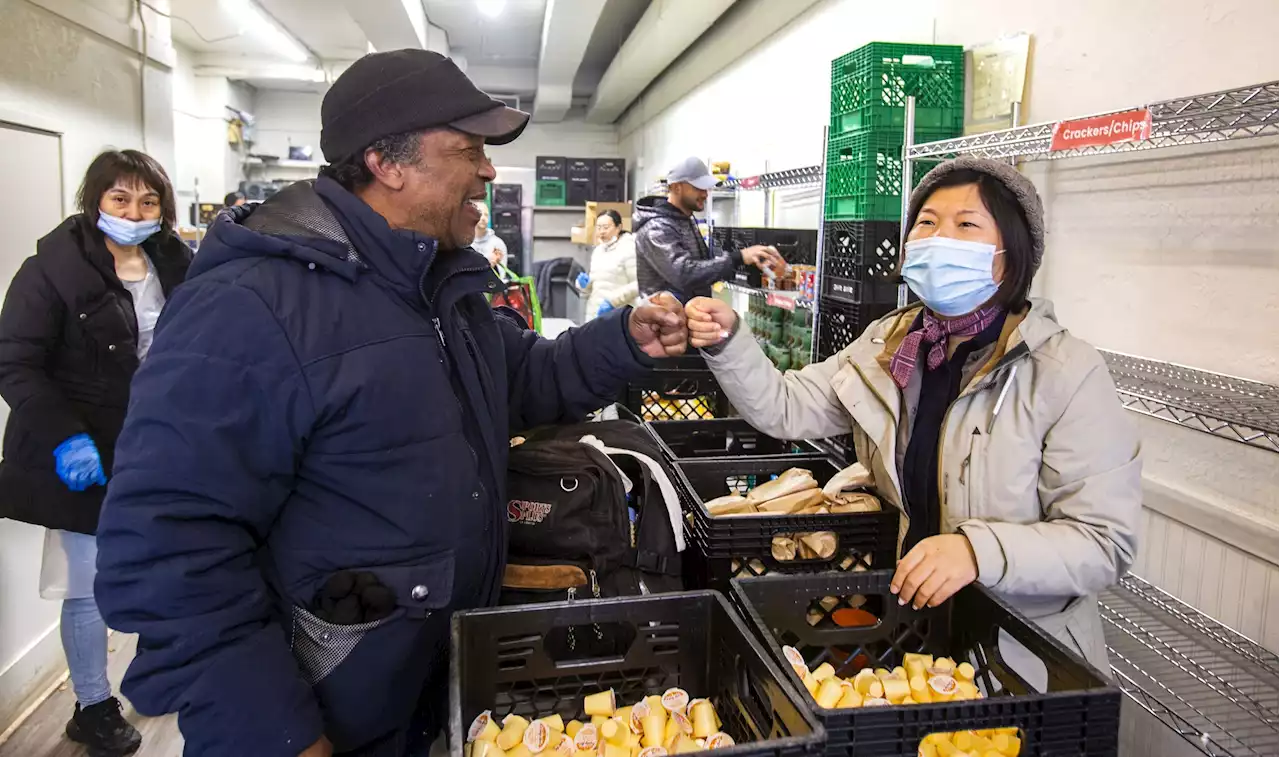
{"x":577,"y":181}
{"x":505,"y":217}
{"x":869,"y":90}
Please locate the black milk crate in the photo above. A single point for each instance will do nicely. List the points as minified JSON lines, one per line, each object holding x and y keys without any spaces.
{"x":610,"y":190}
{"x":507,"y":195}
{"x":611,"y":169}
{"x":691,"y":640}
{"x":1077,"y":714}
{"x":508,"y":218}
{"x":550,"y":168}
{"x":581,"y":169}
{"x":580,"y":192}
{"x":840,"y":323}
{"x":729,"y":547}
{"x":797,"y":246}
{"x":853,"y":249}
{"x":680,"y":388}
{"x":728,"y":437}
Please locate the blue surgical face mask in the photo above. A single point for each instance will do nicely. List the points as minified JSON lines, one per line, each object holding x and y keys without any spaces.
{"x":126,"y":232}
{"x":951,"y":276}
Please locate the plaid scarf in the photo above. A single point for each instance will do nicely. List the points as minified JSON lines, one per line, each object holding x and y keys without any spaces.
{"x":934,"y":332}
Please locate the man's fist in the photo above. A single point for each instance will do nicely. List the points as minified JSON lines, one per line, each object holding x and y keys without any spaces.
{"x":765,"y":258}
{"x":659,"y":327}
{"x":710,"y":321}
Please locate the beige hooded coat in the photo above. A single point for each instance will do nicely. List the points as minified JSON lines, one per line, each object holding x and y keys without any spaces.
{"x":1038,"y":465}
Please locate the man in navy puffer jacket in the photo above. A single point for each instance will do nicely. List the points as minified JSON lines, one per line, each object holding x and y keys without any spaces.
{"x":329,"y":394}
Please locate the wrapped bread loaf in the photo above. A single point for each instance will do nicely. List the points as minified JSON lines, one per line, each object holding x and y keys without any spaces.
{"x":792,"y":503}
{"x":789,"y":482}
{"x":854,"y":502}
{"x":856,"y":476}
{"x":821,"y":544}
{"x":784,"y":548}
{"x":729,"y":504}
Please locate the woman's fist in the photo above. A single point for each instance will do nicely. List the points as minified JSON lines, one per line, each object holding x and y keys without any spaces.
{"x":710,"y":321}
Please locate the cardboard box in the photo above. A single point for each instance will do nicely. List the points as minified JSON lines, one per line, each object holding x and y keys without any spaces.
{"x":586,"y":233}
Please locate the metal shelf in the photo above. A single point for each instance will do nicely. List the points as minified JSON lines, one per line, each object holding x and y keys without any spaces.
{"x":799,"y":302}
{"x":809,"y":176}
{"x":1213,"y":117}
{"x":1213,"y":686}
{"x":1233,"y":408}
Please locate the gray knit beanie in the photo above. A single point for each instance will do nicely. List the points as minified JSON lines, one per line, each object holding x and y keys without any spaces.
{"x":1019,"y":185}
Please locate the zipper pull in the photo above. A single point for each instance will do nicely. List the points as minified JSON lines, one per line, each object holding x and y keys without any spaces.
{"x":439,"y":333}
{"x":595,"y":584}
{"x":573,"y":593}
{"x":964,"y":466}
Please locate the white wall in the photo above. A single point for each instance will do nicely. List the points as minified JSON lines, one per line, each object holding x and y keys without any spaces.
{"x":200,"y":133}
{"x":287,"y":118}
{"x":58,"y":76}
{"x":1170,"y":255}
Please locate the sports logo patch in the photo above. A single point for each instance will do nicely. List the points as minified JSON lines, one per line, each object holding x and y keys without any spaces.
{"x":526,"y":512}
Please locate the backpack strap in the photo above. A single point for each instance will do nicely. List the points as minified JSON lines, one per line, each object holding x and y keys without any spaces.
{"x":670,"y":497}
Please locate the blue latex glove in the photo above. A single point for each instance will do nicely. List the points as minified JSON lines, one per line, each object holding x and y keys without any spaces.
{"x":604,"y":308}
{"x":583,"y":280}
{"x":78,"y":463}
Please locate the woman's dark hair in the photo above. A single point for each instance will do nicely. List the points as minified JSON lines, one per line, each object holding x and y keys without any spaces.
{"x":1019,"y":268}
{"x":352,"y":172}
{"x":132,"y":166}
{"x":613,"y":214}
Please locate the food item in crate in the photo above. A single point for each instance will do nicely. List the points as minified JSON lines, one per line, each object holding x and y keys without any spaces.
{"x":855,"y":477}
{"x":788,"y":482}
{"x":921,"y":679}
{"x":791,"y":504}
{"x":784,"y":548}
{"x":857,"y":502}
{"x":997,"y":742}
{"x":656,"y":726}
{"x":655,"y":407}
{"x":730,"y":504}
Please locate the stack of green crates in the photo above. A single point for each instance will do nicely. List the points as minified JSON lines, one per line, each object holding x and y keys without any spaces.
{"x":786,"y":336}
{"x":869,"y":90}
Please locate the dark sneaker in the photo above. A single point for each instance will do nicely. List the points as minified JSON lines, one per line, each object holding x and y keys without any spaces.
{"x":102,"y":728}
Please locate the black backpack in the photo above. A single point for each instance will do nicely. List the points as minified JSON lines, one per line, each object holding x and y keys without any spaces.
{"x":575,"y":533}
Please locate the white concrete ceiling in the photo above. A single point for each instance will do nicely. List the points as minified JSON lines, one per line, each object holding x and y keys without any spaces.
{"x":555,"y":52}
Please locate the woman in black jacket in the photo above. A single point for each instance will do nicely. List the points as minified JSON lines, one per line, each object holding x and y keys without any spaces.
{"x":75,"y":324}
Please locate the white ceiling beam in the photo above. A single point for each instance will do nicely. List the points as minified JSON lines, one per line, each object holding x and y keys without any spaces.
{"x":504,"y":80}
{"x":390,"y":24}
{"x":566,"y":30}
{"x":667,"y":29}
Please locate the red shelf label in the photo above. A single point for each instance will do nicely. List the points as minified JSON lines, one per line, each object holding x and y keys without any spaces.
{"x":776,"y":300}
{"x":1130,"y":126}
{"x":751,"y":182}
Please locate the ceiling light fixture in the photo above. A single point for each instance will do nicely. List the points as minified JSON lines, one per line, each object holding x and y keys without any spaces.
{"x":249,"y":17}
{"x":491,"y":8}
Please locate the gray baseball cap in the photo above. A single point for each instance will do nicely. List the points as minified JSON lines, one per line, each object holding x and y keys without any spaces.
{"x":692,"y":171}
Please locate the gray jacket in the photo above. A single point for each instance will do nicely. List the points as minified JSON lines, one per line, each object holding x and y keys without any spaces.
{"x":671,"y":255}
{"x":1038,"y":464}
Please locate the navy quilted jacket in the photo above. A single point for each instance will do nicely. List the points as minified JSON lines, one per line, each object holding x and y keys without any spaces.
{"x":323,"y":394}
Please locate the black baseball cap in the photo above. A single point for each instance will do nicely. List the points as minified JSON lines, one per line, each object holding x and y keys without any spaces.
{"x":404,"y":90}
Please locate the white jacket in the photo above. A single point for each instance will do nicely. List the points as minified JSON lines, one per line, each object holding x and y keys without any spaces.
{"x":1038,"y":465}
{"x":613,"y":274}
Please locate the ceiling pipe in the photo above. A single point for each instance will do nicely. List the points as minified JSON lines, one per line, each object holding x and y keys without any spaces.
{"x":667,"y":29}
{"x":567,"y":27}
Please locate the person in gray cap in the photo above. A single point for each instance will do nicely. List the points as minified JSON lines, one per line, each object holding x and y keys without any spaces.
{"x":671,"y":254}
{"x":312,"y":475}
{"x":996,"y":433}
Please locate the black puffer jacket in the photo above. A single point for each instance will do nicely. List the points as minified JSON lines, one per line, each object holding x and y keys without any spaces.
{"x":671,"y":254}
{"x":68,"y":350}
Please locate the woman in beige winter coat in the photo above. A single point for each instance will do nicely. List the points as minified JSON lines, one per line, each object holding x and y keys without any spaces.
{"x":997,"y":433}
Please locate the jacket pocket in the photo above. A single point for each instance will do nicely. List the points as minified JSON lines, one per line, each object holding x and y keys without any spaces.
{"x":368,"y":677}
{"x":108,"y":335}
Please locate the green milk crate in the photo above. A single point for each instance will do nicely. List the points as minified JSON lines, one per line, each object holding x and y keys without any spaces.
{"x":864,"y":175}
{"x":870,"y":86}
{"x":550,"y":193}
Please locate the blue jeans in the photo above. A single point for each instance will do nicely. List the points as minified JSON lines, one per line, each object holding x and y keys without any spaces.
{"x":84,"y":639}
{"x":84,"y":634}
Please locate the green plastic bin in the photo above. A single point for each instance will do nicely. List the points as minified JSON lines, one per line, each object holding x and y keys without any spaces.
{"x":870,"y":86}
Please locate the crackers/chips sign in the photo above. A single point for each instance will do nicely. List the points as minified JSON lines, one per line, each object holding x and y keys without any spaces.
{"x":1099,"y":131}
